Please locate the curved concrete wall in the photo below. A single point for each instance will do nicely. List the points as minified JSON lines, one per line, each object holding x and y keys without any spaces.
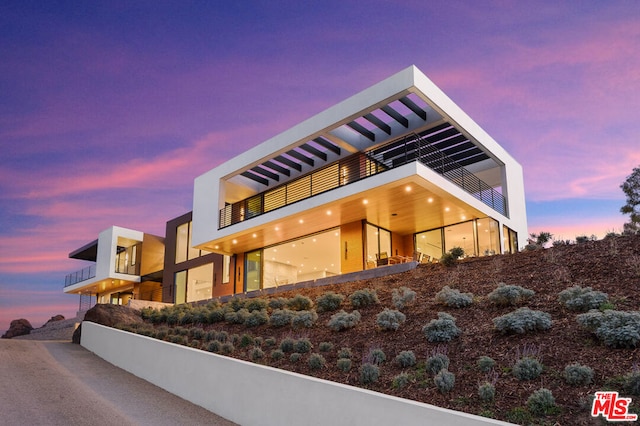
{"x":251,"y":394}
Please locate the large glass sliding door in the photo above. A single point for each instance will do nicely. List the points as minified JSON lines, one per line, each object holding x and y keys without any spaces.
{"x":378,"y":243}
{"x":253,"y":271}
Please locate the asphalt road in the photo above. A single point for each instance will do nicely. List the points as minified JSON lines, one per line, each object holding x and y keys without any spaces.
{"x":59,"y":383}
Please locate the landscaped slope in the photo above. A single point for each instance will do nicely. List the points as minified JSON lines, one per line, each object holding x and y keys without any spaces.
{"x":611,"y":266}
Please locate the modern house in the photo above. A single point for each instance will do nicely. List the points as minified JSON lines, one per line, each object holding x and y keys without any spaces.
{"x":397,"y":172}
{"x":123,"y":264}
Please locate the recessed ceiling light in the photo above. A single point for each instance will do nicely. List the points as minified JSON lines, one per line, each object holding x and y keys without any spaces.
{"x":235,"y":241}
{"x":301,"y":221}
{"x":277,"y":228}
{"x":314,"y":240}
{"x":464,"y":217}
{"x":365,"y":201}
{"x":407,"y":188}
{"x":430,"y":200}
{"x":254,"y":235}
{"x":446,"y":209}
{"x":329,"y":212}
{"x":217,"y":247}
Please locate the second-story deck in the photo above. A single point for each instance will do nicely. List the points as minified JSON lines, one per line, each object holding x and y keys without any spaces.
{"x":428,"y":148}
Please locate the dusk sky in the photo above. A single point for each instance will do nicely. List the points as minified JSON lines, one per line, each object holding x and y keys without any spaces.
{"x":109,"y":110}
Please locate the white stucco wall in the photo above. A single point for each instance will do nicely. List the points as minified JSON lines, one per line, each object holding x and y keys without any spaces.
{"x":252,"y":394}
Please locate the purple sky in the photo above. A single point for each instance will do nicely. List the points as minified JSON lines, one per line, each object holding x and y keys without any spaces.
{"x":109,"y":110}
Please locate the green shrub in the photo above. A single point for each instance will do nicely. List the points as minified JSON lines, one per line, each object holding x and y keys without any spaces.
{"x":329,"y":301}
{"x":256,"y":304}
{"x":453,"y":298}
{"x":486,"y":391}
{"x":343,"y":364}
{"x":195,"y":343}
{"x":234,"y":338}
{"x":400,"y":381}
{"x":236,"y":317}
{"x":403,"y":297}
{"x":281,"y":317}
{"x":376,"y":356}
{"x":406,"y":359}
{"x":578,"y":375}
{"x":437,"y":361}
{"x":581,"y":299}
{"x":256,"y":353}
{"x":222,"y":336}
{"x":521,"y":321}
{"x":527,"y":368}
{"x":304,"y":319}
{"x":390,"y":319}
{"x":632,"y":383}
{"x":146,"y":313}
{"x":216,"y":315}
{"x":457,"y":252}
{"x":369,"y":373}
{"x":246,"y":340}
{"x":258,"y":341}
{"x":541,"y":402}
{"x":448,"y":259}
{"x":509,"y":295}
{"x":270,"y":342}
{"x":180,"y":340}
{"x":316,"y":361}
{"x":295,"y":357}
{"x":302,"y":345}
{"x":201,"y":315}
{"x":485,"y":364}
{"x":363,"y":298}
{"x":182,"y":331}
{"x":186,"y":318}
{"x":442,"y":329}
{"x":196,"y":333}
{"x":617,"y":329}
{"x":256,"y":318}
{"x":345,"y":353}
{"x":444,"y":381}
{"x":234,"y":304}
{"x":343,"y":321}
{"x":161,"y":334}
{"x":214,"y":346}
{"x":277,"y":354}
{"x":325,"y":346}
{"x":299,"y":303}
{"x":287,"y":344}
{"x":278,"y":302}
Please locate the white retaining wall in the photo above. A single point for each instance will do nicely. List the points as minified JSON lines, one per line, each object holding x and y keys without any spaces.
{"x":252,"y":394}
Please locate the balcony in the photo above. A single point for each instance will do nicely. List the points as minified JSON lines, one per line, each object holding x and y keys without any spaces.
{"x":422,"y":148}
{"x":79,"y":276}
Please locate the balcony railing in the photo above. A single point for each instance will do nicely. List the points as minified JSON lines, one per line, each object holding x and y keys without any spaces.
{"x":79,"y":276}
{"x":361,"y":166}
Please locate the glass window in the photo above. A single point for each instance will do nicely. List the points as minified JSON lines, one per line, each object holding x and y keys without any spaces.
{"x":488,"y":236}
{"x":253,"y":271}
{"x":226,"y":268}
{"x":510,"y":239}
{"x":430,"y":244}
{"x":378,"y":242}
{"x":182,"y":242}
{"x":460,"y":235}
{"x":200,"y":283}
{"x":308,"y":258}
{"x":180,"y":280}
{"x":193,"y":252}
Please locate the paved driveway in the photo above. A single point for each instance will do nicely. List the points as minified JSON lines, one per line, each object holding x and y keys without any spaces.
{"x":59,"y":383}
